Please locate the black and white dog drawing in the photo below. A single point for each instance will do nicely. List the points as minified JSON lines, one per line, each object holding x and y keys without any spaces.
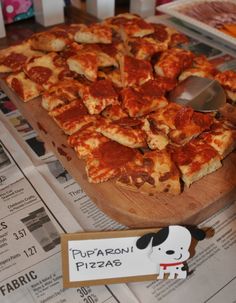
{"x":169,"y":249}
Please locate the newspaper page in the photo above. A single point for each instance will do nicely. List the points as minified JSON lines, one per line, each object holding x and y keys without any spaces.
{"x":212,"y":276}
{"x":31,"y":221}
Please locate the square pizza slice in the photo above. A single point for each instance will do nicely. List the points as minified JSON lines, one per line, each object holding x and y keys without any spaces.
{"x":151,"y":173}
{"x":84,"y":63}
{"x":98,"y":96}
{"x":180,"y":123}
{"x":47,"y":70}
{"x":136,"y":27}
{"x":23,"y":86}
{"x":114,"y":112}
{"x":94,"y":33}
{"x":53,"y":40}
{"x":144,"y":48}
{"x":168,"y":35}
{"x":172,"y":62}
{"x":13,"y":58}
{"x":144,"y":99}
{"x":86,"y":140}
{"x":228,"y":81}
{"x":61,"y":93}
{"x":72,"y":117}
{"x":126,"y":131}
{"x":195,"y":160}
{"x":107,"y":161}
{"x":134,"y":71}
{"x":222,"y":137}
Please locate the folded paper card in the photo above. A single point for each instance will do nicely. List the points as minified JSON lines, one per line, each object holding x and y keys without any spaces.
{"x":95,"y":258}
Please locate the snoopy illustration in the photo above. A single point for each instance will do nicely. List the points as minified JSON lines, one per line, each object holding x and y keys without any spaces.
{"x":169,"y":249}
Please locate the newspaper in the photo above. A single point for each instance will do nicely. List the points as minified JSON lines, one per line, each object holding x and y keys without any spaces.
{"x":38,"y":197}
{"x":31,"y":221}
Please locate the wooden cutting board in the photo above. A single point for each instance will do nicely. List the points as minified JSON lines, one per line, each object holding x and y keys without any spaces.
{"x":133,"y":209}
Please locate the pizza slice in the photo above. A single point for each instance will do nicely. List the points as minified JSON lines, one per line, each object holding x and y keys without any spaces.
{"x":86,"y":140}
{"x":134,"y":71}
{"x":144,"y":48}
{"x":98,"y":96}
{"x":119,"y":20}
{"x":72,"y":117}
{"x":156,"y":138}
{"x":53,"y":40}
{"x":144,"y":99}
{"x":94,"y":33}
{"x":172,"y":62}
{"x":136,"y":27}
{"x":114,"y":112}
{"x":222,"y":137}
{"x":84,"y":63}
{"x":180,"y":123}
{"x":61,"y":93}
{"x":13,"y":58}
{"x":126,"y":131}
{"x":113,"y":75}
{"x":165,"y":84}
{"x":201,"y":67}
{"x":195,"y":160}
{"x":228,"y":81}
{"x":107,"y":161}
{"x":23,"y":86}
{"x":47,"y":70}
{"x":152,"y":173}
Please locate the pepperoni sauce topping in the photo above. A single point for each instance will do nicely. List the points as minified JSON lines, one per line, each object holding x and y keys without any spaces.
{"x":17,"y":87}
{"x":160,"y":32}
{"x":102,"y":89}
{"x":151,"y":88}
{"x":39,"y":74}
{"x":14,"y":61}
{"x":114,"y":155}
{"x":186,"y":116}
{"x":73,"y":113}
{"x":137,"y":69}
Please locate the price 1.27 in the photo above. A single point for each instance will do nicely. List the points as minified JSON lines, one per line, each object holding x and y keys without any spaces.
{"x":30,"y":251}
{"x":21,"y":233}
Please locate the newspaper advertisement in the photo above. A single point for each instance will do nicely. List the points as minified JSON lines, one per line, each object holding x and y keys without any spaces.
{"x":32,"y":219}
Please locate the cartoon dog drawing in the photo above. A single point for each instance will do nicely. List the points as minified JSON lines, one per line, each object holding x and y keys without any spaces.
{"x":169,"y":249}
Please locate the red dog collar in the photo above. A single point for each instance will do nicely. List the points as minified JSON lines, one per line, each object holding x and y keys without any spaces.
{"x":170,"y":264}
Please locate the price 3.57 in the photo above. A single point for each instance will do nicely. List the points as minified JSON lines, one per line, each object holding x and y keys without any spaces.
{"x":21,"y":233}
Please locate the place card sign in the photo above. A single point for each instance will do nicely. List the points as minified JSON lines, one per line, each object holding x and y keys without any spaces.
{"x":93,"y":258}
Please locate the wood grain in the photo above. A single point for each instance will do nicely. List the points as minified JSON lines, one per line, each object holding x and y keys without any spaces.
{"x":133,"y":209}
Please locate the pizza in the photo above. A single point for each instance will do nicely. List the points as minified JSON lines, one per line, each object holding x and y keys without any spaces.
{"x":97,"y":96}
{"x":13,"y":58}
{"x":125,"y":131}
{"x":47,"y":70}
{"x":95,"y":33}
{"x":134,"y":71}
{"x":172,"y":62}
{"x":53,"y":40}
{"x":195,"y":160}
{"x":228,"y":81}
{"x":86,"y":140}
{"x":144,"y":99}
{"x":106,"y":86}
{"x":61,"y":93}
{"x":23,"y":86}
{"x":150,"y":173}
